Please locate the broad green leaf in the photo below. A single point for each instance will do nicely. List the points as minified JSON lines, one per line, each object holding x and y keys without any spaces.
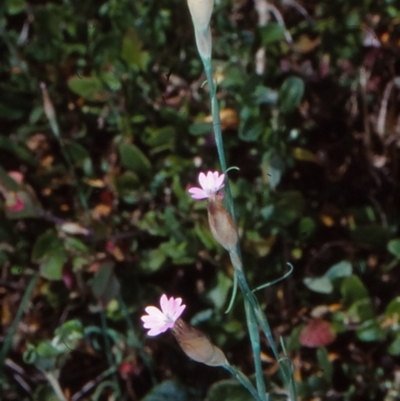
{"x":152,"y":260}
{"x":393,"y":308}
{"x":370,"y":331}
{"x":275,"y":169}
{"x":168,"y":391}
{"x":339,"y":270}
{"x":132,"y":49}
{"x":52,"y":265}
{"x":45,"y":243}
{"x":219,"y":293}
{"x":321,"y":285}
{"x":161,"y":137}
{"x":290,"y":94}
{"x":16,"y":6}
{"x":90,"y":88}
{"x":353,"y":290}
{"x":393,"y":247}
{"x":306,"y":228}
{"x":228,"y":390}
{"x":198,"y":129}
{"x":105,"y":285}
{"x":394,"y":347}
{"x":272,"y":32}
{"x":361,"y":310}
{"x":127,"y":185}
{"x":250,"y":129}
{"x":18,"y":149}
{"x":372,"y":234}
{"x":324,"y":363}
{"x":134,"y":159}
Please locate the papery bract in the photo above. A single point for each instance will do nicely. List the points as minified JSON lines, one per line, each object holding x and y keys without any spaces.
{"x":158,"y":321}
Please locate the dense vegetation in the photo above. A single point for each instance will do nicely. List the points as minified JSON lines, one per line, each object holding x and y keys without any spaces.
{"x":105,"y":123}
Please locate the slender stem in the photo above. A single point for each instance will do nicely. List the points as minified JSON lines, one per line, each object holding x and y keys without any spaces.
{"x":55,"y":385}
{"x":108,"y":350}
{"x":218,"y":132}
{"x":256,"y":346}
{"x":244,"y":381}
{"x":17,"y":319}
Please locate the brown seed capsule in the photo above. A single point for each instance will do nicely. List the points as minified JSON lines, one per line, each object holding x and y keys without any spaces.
{"x":222,"y":226}
{"x":196,"y":345}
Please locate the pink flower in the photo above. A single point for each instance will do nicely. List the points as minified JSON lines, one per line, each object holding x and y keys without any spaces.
{"x":14,"y":203}
{"x":210,"y":185}
{"x":158,"y":320}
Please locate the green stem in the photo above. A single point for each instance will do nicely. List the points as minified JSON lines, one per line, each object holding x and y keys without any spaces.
{"x":55,"y":385}
{"x":218,"y":132}
{"x":256,"y":346}
{"x":17,"y":319}
{"x":244,"y":381}
{"x":108,"y":351}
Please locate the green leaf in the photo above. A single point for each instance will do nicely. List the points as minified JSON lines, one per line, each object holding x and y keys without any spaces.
{"x":45,"y":243}
{"x":393,"y":247}
{"x":134,"y":159}
{"x":272,"y":32}
{"x":105,"y":285}
{"x":16,"y":6}
{"x":219,"y":293}
{"x":372,"y":234}
{"x":394,"y":347}
{"x":275,"y":170}
{"x":361,"y":310}
{"x":161,"y":137}
{"x":52,"y":265}
{"x":152,"y":260}
{"x":18,"y":149}
{"x":339,"y":270}
{"x":250,"y":129}
{"x":324,"y":363}
{"x":353,"y":290}
{"x":90,"y":88}
{"x":290,"y":94}
{"x":198,"y":129}
{"x":132,"y":49}
{"x":393,"y":308}
{"x":370,"y":331}
{"x":168,"y":391}
{"x":321,"y":285}
{"x":228,"y":390}
{"x":306,"y":228}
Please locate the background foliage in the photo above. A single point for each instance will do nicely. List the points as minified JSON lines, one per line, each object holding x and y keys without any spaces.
{"x":96,"y":222}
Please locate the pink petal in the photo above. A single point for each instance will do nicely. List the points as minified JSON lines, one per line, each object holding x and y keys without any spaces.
{"x":197,"y":193}
{"x":203,"y":180}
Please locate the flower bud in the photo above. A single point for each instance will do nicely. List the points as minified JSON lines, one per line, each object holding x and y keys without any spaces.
{"x":196,"y":345}
{"x":201,"y":11}
{"x":222,"y":226}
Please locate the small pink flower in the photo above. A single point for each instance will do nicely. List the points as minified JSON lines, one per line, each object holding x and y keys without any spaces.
{"x":158,"y":320}
{"x":210,"y":185}
{"x":14,"y":203}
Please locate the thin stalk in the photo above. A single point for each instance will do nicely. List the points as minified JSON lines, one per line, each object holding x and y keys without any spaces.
{"x":133,"y":339}
{"x":108,"y":351}
{"x":244,"y":381}
{"x":50,"y":377}
{"x":17,"y":319}
{"x":256,"y":346}
{"x":218,"y":132}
